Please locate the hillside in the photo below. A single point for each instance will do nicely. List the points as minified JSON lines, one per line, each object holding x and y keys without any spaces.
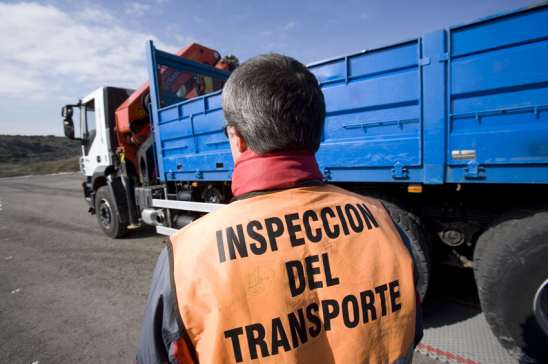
{"x":21,"y":155}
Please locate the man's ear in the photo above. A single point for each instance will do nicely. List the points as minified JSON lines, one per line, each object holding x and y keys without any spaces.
{"x":241,"y":144}
{"x":238,"y":140}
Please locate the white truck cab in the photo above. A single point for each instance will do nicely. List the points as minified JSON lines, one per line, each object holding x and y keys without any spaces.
{"x":96,"y":127}
{"x":96,"y":149}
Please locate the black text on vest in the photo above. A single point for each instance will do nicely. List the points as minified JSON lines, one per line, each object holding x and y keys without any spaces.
{"x":312,"y":226}
{"x":288,"y":332}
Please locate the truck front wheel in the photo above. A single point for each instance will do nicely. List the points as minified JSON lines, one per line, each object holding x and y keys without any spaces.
{"x":107,"y":214}
{"x":511,"y":268}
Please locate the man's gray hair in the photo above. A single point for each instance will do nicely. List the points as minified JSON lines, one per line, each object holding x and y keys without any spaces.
{"x":275,"y":103}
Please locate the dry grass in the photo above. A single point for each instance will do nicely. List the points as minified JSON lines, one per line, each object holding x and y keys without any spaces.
{"x":46,"y":167}
{"x":37,"y":154}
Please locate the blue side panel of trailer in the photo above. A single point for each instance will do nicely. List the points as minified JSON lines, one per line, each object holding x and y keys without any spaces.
{"x":189,"y":140}
{"x":464,"y":105}
{"x":498,"y":99}
{"x":373,"y":124}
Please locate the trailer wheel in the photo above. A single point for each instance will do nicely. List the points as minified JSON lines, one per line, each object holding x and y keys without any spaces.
{"x":511,"y":269}
{"x":107,"y":214}
{"x":420,"y":246}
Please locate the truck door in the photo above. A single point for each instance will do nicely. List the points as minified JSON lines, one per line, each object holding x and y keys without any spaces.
{"x":95,"y":141}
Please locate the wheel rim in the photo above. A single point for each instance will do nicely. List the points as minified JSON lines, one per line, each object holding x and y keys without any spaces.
{"x":540,"y":306}
{"x":105,"y":214}
{"x":213,"y":196}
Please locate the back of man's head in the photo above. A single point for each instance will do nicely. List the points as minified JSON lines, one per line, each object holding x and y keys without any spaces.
{"x":275,"y":104}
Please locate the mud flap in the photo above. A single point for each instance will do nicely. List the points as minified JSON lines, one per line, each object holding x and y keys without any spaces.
{"x":118,"y":192}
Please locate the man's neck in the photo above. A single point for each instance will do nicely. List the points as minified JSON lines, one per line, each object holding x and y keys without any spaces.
{"x":257,"y":172}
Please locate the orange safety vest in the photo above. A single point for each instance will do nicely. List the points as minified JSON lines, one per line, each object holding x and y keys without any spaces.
{"x":309,"y":274}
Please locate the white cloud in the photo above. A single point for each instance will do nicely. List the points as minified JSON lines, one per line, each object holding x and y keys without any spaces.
{"x":176,"y":32}
{"x":278,"y":30}
{"x":137,"y":9}
{"x":289,"y":25}
{"x":95,"y":14}
{"x":47,"y":52}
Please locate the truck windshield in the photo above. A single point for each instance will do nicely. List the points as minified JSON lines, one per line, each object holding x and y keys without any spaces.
{"x":179,"y":85}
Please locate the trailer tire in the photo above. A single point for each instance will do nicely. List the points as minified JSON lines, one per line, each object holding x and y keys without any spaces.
{"x":411,"y":226}
{"x":107,"y":214}
{"x":511,"y":268}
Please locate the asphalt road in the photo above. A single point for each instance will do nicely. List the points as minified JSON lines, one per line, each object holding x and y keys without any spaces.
{"x":68,"y":293}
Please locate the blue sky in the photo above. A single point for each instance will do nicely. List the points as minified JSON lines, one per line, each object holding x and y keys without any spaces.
{"x":55,"y":52}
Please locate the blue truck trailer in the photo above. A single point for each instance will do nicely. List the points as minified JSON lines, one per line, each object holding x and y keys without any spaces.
{"x":449,"y":129}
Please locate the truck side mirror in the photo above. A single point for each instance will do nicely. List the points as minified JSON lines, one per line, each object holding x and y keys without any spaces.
{"x":68,"y":124}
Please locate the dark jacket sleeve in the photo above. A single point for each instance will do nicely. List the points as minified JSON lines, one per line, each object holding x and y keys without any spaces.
{"x":161,"y":338}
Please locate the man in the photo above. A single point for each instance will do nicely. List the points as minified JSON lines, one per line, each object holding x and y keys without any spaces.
{"x":293,"y":270}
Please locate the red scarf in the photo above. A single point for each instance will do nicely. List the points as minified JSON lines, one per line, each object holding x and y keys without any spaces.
{"x":276,"y":170}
